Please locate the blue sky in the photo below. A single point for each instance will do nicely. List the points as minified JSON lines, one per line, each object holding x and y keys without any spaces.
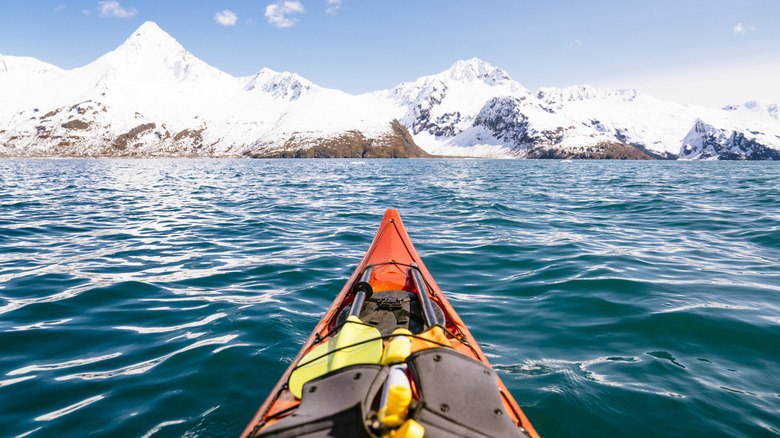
{"x":702,"y":52}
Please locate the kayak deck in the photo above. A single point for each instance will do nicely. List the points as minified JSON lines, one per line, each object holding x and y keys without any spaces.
{"x":339,"y":382}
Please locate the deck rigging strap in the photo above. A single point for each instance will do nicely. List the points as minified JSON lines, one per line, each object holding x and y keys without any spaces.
{"x":362,"y":290}
{"x":431,"y":319}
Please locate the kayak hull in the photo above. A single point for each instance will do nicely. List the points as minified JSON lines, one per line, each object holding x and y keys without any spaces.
{"x":389,"y":267}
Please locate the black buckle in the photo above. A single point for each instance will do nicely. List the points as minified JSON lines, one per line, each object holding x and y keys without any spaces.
{"x":391,"y":304}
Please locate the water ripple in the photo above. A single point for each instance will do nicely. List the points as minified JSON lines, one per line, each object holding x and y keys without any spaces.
{"x":207,"y":320}
{"x":59,"y":366}
{"x":142,"y":367}
{"x":70,"y":409}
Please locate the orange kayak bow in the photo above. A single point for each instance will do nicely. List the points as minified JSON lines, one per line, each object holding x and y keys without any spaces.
{"x":390,"y":358}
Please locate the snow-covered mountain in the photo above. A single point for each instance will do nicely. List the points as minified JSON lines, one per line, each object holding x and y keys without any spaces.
{"x":477,"y":109}
{"x":151,"y":97}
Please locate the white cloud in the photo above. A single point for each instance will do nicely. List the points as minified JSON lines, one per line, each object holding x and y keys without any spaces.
{"x":60,"y":8}
{"x":333,"y":6}
{"x":114,"y":10}
{"x":226,"y":18}
{"x":279,"y":13}
{"x":740,"y":29}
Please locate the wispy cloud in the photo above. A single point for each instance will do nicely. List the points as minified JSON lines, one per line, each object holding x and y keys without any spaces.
{"x":226,"y":18}
{"x":60,"y":8}
{"x":112,"y":9}
{"x":280,"y":13}
{"x":740,"y":29}
{"x":575,"y":43}
{"x":333,"y":6}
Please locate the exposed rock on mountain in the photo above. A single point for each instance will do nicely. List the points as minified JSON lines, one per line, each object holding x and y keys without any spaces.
{"x":352,"y":144}
{"x":503,"y":116}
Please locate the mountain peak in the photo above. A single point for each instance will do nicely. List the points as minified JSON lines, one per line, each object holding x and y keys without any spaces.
{"x":150,"y":29}
{"x":753,"y":106}
{"x":476,"y":69}
{"x":150,"y":37}
{"x":284,"y":85}
{"x":23,"y":65}
{"x":149,"y":55}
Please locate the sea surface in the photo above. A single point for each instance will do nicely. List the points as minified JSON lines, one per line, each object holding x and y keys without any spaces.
{"x":165,"y":298}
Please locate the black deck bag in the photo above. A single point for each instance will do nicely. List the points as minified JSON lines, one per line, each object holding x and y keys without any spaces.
{"x":459,"y":396}
{"x":332,"y":405}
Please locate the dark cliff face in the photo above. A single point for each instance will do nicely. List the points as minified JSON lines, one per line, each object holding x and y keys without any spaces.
{"x":601,"y":151}
{"x":504,"y":117}
{"x":421,"y":113}
{"x":739,"y":147}
{"x":705,"y":141}
{"x":351,"y":144}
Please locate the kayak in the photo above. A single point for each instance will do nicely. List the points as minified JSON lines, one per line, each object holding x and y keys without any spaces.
{"x":390,"y":359}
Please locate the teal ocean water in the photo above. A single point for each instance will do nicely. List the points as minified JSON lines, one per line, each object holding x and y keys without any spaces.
{"x":164,"y":298}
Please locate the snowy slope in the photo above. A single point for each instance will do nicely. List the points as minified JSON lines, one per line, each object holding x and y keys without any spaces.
{"x":626,"y":115}
{"x":19,"y":78}
{"x":151,"y":97}
{"x":474,"y":108}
